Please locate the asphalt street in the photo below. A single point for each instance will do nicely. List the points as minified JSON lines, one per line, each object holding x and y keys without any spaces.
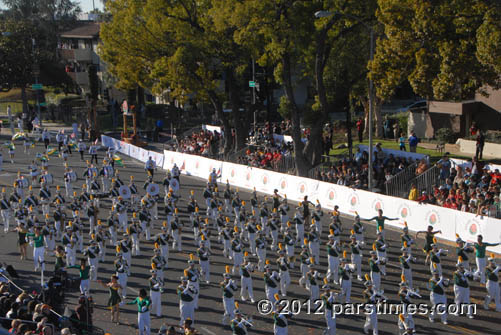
{"x":209,"y":315}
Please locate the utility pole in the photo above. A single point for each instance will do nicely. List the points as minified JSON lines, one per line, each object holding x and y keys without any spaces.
{"x":36,"y":73}
{"x":371,"y":107}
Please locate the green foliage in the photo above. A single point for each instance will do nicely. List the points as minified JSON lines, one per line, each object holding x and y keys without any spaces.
{"x":445,"y":135}
{"x":446,"y":49}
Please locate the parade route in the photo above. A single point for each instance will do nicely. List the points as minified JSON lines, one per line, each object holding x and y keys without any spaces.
{"x":209,"y":315}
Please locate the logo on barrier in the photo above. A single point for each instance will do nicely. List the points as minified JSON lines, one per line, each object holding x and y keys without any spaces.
{"x":473,"y":227}
{"x":172,"y":160}
{"x":331,"y":194}
{"x":232,"y":173}
{"x":196,"y":165}
{"x":377,"y":204}
{"x":354,"y":200}
{"x":264,"y":179}
{"x":404,"y":211}
{"x":248,"y":176}
{"x":283,"y":183}
{"x":302,"y":188}
{"x":432,"y":217}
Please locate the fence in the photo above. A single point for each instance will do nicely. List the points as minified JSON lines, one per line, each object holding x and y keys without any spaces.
{"x":426,"y":180}
{"x":398,"y":185}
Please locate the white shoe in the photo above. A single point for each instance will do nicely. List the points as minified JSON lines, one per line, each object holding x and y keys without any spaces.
{"x":445,"y":322}
{"x":431,"y":320}
{"x":470,"y":316}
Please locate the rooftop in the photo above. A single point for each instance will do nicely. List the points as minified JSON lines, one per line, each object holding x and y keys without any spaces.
{"x":85,"y":29}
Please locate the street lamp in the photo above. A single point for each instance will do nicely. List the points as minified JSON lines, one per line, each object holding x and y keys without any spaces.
{"x":324,"y":13}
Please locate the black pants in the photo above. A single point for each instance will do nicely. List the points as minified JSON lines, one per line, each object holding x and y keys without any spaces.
{"x":81,"y":155}
{"x":94,"y":157}
{"x":46,"y":143}
{"x":479,"y":152}
{"x":69,"y":149}
{"x":360,"y":136}
{"x":59,"y":145}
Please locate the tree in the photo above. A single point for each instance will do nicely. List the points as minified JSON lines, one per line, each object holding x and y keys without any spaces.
{"x":17,"y":55}
{"x":178,"y":45}
{"x":445,"y":49}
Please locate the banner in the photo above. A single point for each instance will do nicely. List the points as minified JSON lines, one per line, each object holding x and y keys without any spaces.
{"x":212,"y":128}
{"x":158,"y":158}
{"x":350,"y":201}
{"x":397,"y":153}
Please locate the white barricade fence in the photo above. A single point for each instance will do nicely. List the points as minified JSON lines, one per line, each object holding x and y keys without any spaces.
{"x":157,"y":157}
{"x":117,"y":145}
{"x":350,"y":201}
{"x":212,"y":128}
{"x":467,"y":164}
{"x":397,"y":153}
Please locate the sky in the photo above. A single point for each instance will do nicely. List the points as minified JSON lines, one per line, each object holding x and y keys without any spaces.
{"x":86,"y":5}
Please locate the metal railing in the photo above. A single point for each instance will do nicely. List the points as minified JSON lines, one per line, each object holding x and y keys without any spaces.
{"x":398,"y":185}
{"x":286,"y":164}
{"x":426,"y":180}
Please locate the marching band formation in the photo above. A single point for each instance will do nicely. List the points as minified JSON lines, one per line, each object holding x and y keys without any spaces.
{"x":258,"y":237}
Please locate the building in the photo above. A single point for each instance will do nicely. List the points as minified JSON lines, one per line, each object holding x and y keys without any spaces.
{"x":485,"y":111}
{"x":78,"y":49}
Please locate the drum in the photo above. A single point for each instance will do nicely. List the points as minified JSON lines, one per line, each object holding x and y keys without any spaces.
{"x":124,"y":191}
{"x":153,"y":189}
{"x":73,"y":176}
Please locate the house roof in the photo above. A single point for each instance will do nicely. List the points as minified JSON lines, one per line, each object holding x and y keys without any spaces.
{"x":84,"y":30}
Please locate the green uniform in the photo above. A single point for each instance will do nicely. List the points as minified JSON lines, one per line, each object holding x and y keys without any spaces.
{"x":84,"y":273}
{"x":38,"y":240}
{"x":480,"y":248}
{"x":143,"y":305}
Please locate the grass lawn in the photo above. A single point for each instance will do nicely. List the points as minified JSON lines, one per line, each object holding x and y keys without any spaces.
{"x":391,"y":144}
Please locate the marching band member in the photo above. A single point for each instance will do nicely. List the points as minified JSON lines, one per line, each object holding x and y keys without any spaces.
{"x":438,"y":298}
{"x":356,"y":255}
{"x":150,"y":166}
{"x":203,"y":260}
{"x":435,"y":254}
{"x":134,"y":232}
{"x":492,"y":285}
{"x":283,"y":210}
{"x":162,"y":239}
{"x":112,"y":223}
{"x":67,"y":182}
{"x":462,"y":287}
{"x":237,"y":251}
{"x":429,"y":237}
{"x":283,"y":267}
{"x":186,"y":295}
{"x":121,"y":209}
{"x":290,"y":242}
{"x":227,"y":197}
{"x":358,"y":229}
{"x":92,"y":215}
{"x":271,"y":282}
{"x":480,"y":247}
{"x":175,"y":172}
{"x":49,"y":234}
{"x":81,"y":149}
{"x":380,"y":248}
{"x":405,"y":294}
{"x":251,"y":229}
{"x":177,"y":231}
{"x":407,"y":240}
{"x":193,"y":278}
{"x":34,"y":172}
{"x":246,"y":287}
{"x":333,"y":251}
{"x":312,"y":278}
{"x":299,"y":221}
{"x":374,"y":264}
{"x":372,"y":296}
{"x":329,"y":299}
{"x":226,"y":234}
{"x":305,"y":262}
{"x":125,"y":247}
{"x":239,"y":325}
{"x":345,"y":273}
{"x":254,"y":202}
{"x":69,"y":242}
{"x":280,"y":323}
{"x":143,"y":312}
{"x":260,"y":249}
{"x":159,"y":261}
{"x":134,"y":195}
{"x":229,"y":287}
{"x":380,"y":219}
{"x":5,"y":210}
{"x":405,"y":263}
{"x":84,"y":270}
{"x":122,"y":270}
{"x":317,"y":217}
{"x":314,"y":243}
{"x":273,"y":225}
{"x":145,"y":222}
{"x":38,"y":248}
{"x":166,"y":181}
{"x":462,"y":250}
{"x":156,"y":292}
